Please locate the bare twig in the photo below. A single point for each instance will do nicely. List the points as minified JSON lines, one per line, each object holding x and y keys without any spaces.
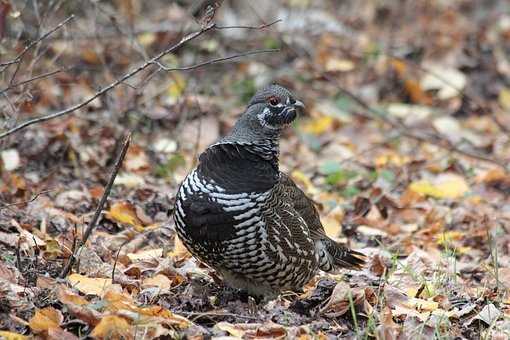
{"x":20,"y":56}
{"x":26,"y":81}
{"x":116,"y":259}
{"x":33,"y":198}
{"x":100,"y":206}
{"x":104,"y":90}
{"x":152,"y":61}
{"x":250,"y":27}
{"x":213,"y":61}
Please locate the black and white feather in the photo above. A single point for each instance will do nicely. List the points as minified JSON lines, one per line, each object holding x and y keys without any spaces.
{"x":240,"y":215}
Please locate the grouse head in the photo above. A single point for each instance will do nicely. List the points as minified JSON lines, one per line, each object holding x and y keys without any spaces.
{"x":273,"y":107}
{"x":268,"y":112}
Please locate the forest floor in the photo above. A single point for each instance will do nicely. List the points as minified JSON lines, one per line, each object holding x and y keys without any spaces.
{"x":405,"y":144}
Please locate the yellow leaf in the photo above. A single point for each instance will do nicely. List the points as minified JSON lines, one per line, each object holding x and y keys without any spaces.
{"x":339,"y":65}
{"x":52,"y":250}
{"x":318,"y":126}
{"x":68,"y":298}
{"x":449,"y":236}
{"x":146,"y":39}
{"x":391,"y":158}
{"x":45,"y":319}
{"x":161,"y":312}
{"x":177,"y":86}
{"x":124,"y":212}
{"x":91,"y":285}
{"x":448,"y":186}
{"x":504,"y":98}
{"x":302,"y":179}
{"x":12,"y":336}
{"x":421,"y":304}
{"x":113,"y":327}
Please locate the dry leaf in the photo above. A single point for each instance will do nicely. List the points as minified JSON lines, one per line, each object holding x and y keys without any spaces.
{"x":146,"y":254}
{"x":92,"y":285}
{"x":12,"y":336}
{"x":10,"y":159}
{"x":68,"y":297}
{"x":124,"y":212}
{"x":44,"y":319}
{"x":160,"y":281}
{"x":449,"y":186}
{"x":317,"y":126}
{"x":113,"y":327}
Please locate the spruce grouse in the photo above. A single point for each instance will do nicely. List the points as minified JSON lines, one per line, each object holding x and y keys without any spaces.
{"x":243,"y":217}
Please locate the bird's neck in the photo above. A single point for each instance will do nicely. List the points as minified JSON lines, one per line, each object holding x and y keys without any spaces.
{"x":242,"y":167}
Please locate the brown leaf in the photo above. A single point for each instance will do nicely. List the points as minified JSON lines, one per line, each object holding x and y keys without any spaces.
{"x":45,"y":319}
{"x":60,"y":334}
{"x":92,"y":285}
{"x":113,"y":327}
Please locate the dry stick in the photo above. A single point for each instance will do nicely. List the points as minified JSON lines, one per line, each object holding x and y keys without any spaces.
{"x":34,"y":78}
{"x":100,"y":206}
{"x":214,"y":61}
{"x":128,"y":75}
{"x":33,"y":43}
{"x":116,"y":259}
{"x":250,"y":27}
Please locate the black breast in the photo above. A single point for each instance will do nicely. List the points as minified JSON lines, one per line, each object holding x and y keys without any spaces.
{"x":237,"y":169}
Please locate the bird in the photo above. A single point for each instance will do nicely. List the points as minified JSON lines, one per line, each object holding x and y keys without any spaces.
{"x":240,"y":215}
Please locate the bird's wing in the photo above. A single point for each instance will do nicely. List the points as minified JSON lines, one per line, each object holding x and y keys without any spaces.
{"x":303,"y":205}
{"x":331,"y":253}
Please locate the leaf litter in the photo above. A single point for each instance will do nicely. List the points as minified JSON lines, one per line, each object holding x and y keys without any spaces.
{"x":433,"y":222}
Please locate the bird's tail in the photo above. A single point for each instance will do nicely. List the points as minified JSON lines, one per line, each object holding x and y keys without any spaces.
{"x":333,"y":255}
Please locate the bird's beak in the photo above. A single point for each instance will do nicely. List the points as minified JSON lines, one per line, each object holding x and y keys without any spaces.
{"x":300,"y":104}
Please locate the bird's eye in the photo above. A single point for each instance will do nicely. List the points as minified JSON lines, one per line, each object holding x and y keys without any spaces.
{"x":274,"y":101}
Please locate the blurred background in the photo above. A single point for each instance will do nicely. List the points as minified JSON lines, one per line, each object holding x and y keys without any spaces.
{"x":407,"y":102}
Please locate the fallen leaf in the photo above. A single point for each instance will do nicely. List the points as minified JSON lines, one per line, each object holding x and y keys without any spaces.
{"x":317,"y":126}
{"x":67,"y":297}
{"x":136,"y":159}
{"x":124,"y":212}
{"x":449,"y":186}
{"x":129,"y":180}
{"x":44,"y":319}
{"x":146,"y":254}
{"x":488,"y":315}
{"x":10,"y":159}
{"x":448,"y":81}
{"x":339,"y":65}
{"x":160,"y":281}
{"x":113,"y":327}
{"x":504,"y":98}
{"x":12,"y":336}
{"x":91,"y":285}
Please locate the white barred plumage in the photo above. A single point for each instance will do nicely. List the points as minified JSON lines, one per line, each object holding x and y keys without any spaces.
{"x":242,"y":216}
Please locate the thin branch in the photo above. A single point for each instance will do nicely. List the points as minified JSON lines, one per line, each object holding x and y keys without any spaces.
{"x":250,"y":27}
{"x":117,"y":258}
{"x":35,"y":42}
{"x":26,"y":81}
{"x":213,"y":61}
{"x":27,"y":201}
{"x":100,"y":206}
{"x":104,"y":90}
